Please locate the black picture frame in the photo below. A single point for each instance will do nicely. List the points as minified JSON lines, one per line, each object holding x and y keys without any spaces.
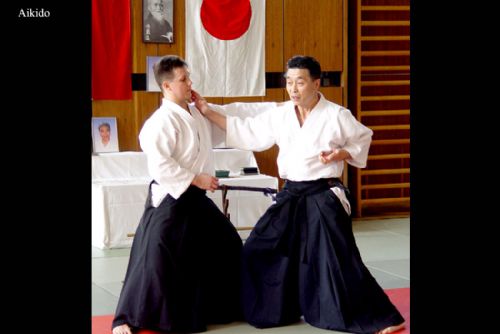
{"x":158,"y":21}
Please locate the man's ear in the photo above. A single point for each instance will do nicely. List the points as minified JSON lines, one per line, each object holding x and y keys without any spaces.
{"x":317,"y":83}
{"x":165,"y":86}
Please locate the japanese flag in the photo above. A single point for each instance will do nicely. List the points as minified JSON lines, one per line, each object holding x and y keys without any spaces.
{"x":225,"y":42}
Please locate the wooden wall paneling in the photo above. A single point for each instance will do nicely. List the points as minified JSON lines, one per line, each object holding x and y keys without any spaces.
{"x":274,"y":36}
{"x":275,"y":95}
{"x":214,"y":100}
{"x":334,"y":94}
{"x":226,"y":100}
{"x":314,"y":28}
{"x":145,"y":103}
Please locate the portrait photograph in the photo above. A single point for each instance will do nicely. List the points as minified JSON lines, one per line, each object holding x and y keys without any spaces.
{"x":151,"y":84}
{"x":104,"y":134}
{"x":158,"y":21}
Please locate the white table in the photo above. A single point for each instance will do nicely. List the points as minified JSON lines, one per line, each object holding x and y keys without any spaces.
{"x":131,"y":165}
{"x":119,"y":166}
{"x":120,"y":185}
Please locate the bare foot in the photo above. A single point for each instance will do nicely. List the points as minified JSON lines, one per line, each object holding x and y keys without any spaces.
{"x":122,"y":329}
{"x":391,"y":329}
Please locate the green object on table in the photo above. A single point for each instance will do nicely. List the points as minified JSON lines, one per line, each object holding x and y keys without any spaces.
{"x":221,"y":173}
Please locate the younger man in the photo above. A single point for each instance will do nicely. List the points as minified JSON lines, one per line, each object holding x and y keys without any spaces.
{"x":184,"y":268}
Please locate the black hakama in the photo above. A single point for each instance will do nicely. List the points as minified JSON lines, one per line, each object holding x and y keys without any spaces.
{"x":184,"y":267}
{"x":301,"y":259}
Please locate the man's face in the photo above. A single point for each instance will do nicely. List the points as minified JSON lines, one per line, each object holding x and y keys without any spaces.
{"x":156,"y":9}
{"x":301,"y":88}
{"x":180,"y":86}
{"x":105,"y":133}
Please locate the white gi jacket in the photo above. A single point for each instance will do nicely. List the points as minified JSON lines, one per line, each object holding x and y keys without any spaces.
{"x":328,"y":126}
{"x":178,"y":146}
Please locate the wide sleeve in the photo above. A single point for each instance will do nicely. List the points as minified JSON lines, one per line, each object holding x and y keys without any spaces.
{"x":357,"y":138}
{"x":238,"y":109}
{"x":158,"y":141}
{"x":244,"y":109}
{"x":256,"y":133}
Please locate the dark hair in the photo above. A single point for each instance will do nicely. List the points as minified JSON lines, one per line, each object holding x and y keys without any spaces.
{"x":305,"y":62}
{"x":104,"y":125}
{"x":164,"y":68}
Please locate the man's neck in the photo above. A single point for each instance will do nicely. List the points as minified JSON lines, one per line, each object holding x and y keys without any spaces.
{"x":182,"y":104}
{"x":306,"y":110}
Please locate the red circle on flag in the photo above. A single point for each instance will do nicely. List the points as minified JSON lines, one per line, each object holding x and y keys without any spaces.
{"x":226,"y":19}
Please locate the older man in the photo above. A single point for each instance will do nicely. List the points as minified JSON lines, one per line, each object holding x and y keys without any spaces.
{"x":301,"y":258}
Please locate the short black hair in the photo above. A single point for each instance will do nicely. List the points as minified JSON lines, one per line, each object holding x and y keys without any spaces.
{"x":306,"y":62}
{"x":164,"y":68}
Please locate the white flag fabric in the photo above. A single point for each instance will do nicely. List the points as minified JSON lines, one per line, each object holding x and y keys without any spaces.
{"x":225,"y":42}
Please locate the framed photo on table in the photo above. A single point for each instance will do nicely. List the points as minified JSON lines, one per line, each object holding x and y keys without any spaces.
{"x":157,"y":21}
{"x":104,"y":134}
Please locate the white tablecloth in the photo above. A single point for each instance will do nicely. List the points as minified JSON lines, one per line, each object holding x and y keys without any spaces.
{"x":120,"y":185}
{"x":117,"y":206}
{"x":119,"y":166}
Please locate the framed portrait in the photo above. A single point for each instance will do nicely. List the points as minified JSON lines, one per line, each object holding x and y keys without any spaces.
{"x":104,"y":134}
{"x":151,"y":84}
{"x":157,"y":19}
